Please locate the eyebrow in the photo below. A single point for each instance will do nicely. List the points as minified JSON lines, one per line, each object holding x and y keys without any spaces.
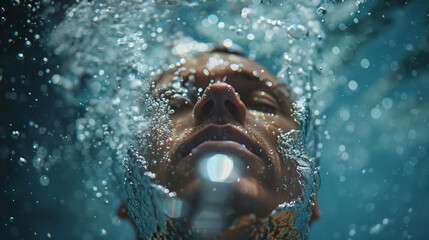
{"x":226,"y":50}
{"x":249,"y":74}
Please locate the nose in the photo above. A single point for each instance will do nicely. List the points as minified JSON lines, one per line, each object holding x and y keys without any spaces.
{"x":219,"y":101}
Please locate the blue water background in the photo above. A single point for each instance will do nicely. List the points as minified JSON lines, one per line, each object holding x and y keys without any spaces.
{"x":374,"y":167}
{"x":378,"y":189}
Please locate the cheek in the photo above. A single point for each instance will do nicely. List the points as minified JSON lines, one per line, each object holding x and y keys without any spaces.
{"x":269,"y":126}
{"x":181,"y":124}
{"x":166,"y":135}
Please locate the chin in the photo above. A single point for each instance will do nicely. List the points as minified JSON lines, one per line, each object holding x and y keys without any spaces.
{"x":213,"y":206}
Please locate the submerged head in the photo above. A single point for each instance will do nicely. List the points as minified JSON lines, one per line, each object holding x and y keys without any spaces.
{"x":219,"y":150}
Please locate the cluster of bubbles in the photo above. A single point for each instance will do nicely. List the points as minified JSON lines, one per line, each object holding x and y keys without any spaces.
{"x":113,"y":50}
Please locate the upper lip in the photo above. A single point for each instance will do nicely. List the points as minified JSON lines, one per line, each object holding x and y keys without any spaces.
{"x":215,"y":132}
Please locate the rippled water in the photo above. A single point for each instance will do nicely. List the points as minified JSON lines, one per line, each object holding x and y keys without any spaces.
{"x":75,"y":85}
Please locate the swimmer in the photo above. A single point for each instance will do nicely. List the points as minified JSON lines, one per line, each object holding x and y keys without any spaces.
{"x":223,"y":104}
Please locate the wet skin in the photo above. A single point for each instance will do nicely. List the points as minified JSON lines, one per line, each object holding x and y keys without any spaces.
{"x":239,"y":103}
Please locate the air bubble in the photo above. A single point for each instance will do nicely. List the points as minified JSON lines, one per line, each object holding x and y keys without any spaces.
{"x":352,"y":85}
{"x":227,"y":43}
{"x":15,"y":134}
{"x":44,"y":180}
{"x":297,"y":31}
{"x":213,"y":19}
{"x":321,"y":11}
{"x":16,"y":2}
{"x":22,"y":161}
{"x":364,"y":63}
{"x":20,"y":56}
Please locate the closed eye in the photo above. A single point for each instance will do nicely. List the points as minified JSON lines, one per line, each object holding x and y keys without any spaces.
{"x":177,"y":101}
{"x":263,"y":102}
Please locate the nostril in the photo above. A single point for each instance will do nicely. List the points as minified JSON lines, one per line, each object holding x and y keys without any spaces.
{"x":207,"y":107}
{"x":231,"y":107}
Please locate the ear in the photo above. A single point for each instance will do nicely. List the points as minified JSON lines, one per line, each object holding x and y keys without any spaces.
{"x":316,"y":213}
{"x":122,"y":212}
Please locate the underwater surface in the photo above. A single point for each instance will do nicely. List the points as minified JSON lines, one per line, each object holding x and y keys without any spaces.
{"x":71,"y":74}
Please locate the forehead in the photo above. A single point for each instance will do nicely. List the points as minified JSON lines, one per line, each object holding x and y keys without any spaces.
{"x":217,"y":66}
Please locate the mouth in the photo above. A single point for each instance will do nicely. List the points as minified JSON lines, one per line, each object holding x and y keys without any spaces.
{"x":223,"y":135}
{"x":248,"y":179}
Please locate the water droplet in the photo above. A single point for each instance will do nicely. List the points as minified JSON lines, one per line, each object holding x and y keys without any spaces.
{"x":256,"y":73}
{"x":176,"y":85}
{"x":234,"y":67}
{"x":206,"y":72}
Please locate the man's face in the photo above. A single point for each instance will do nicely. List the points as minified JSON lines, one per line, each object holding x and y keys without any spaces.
{"x":225,"y":103}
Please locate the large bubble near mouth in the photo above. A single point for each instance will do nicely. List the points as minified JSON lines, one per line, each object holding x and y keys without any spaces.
{"x":114,"y":49}
{"x":218,"y":168}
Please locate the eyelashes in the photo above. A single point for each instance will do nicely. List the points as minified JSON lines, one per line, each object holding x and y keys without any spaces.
{"x":257,"y":100}
{"x":263,"y":102}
